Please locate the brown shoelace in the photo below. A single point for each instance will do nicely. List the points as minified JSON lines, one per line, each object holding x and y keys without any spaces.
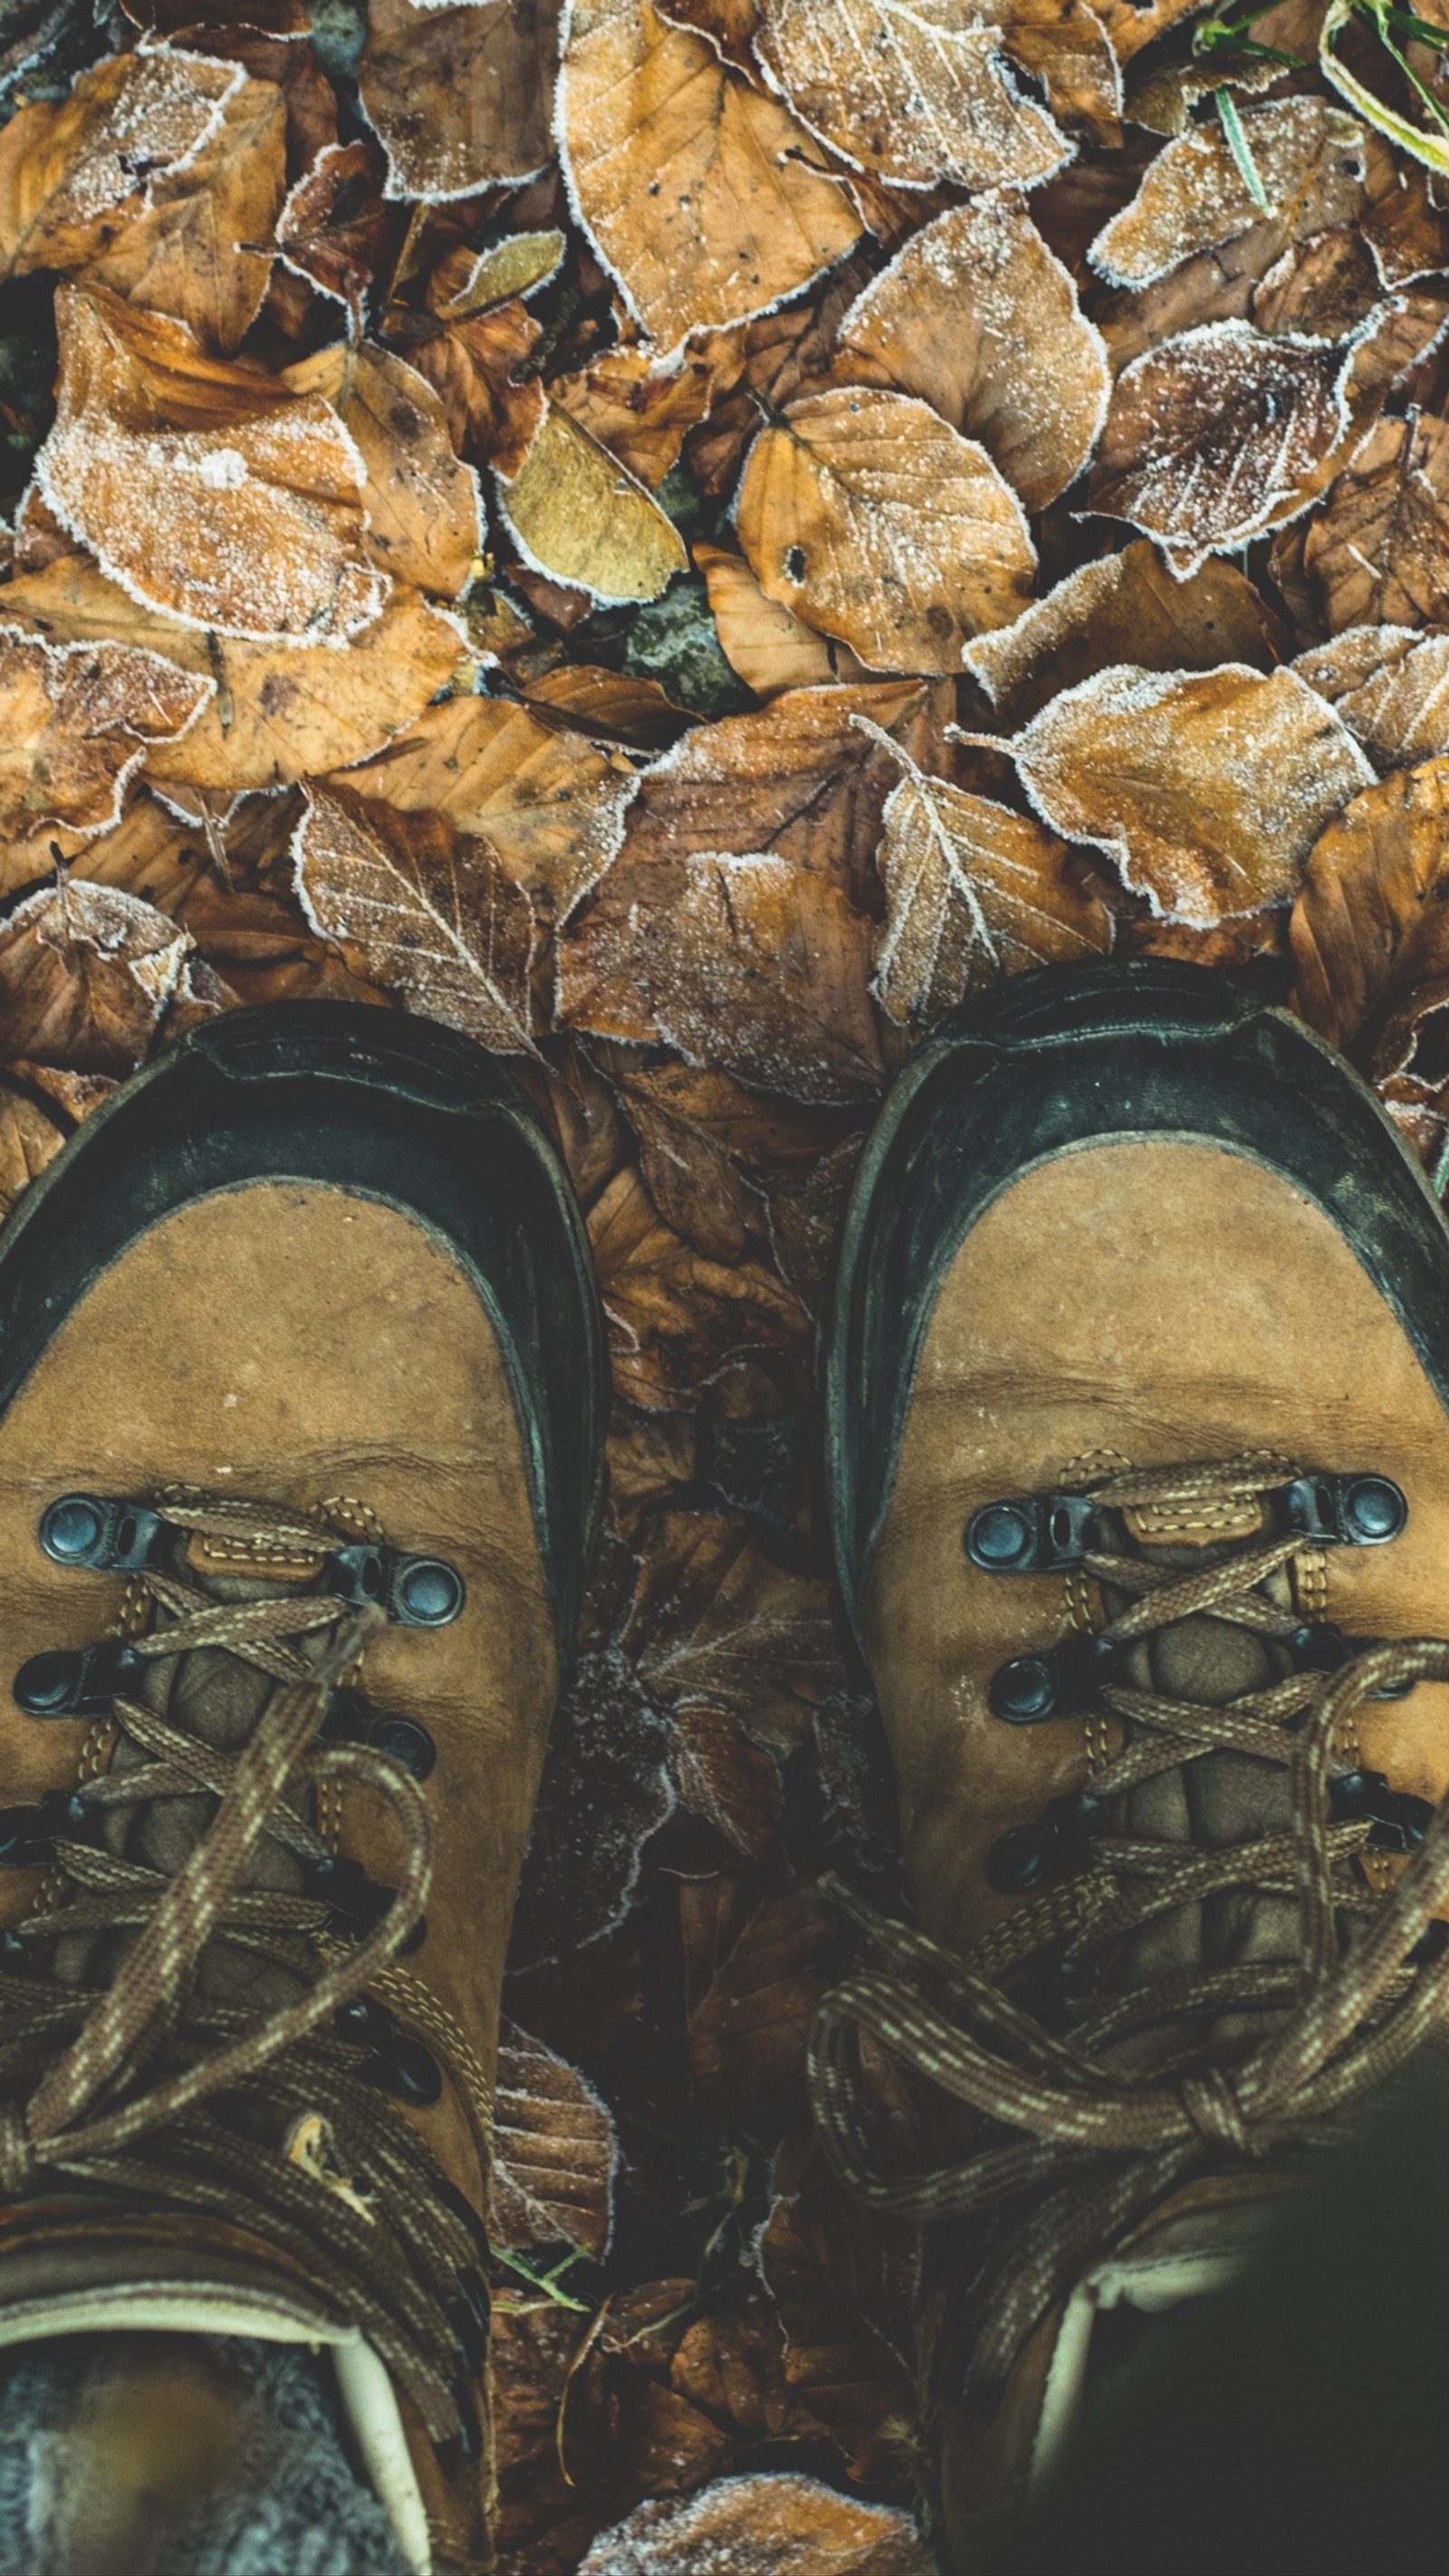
{"x":1071,"y":2149}
{"x":139,"y":2088}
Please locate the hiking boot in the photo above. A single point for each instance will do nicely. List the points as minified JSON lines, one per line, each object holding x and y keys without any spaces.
{"x":1136,"y":1382}
{"x":300,"y":1405}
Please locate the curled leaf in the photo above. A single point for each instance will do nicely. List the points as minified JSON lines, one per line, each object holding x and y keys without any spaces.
{"x":85,"y":974}
{"x":1125,"y":607}
{"x":1310,"y":165}
{"x":76,"y":719}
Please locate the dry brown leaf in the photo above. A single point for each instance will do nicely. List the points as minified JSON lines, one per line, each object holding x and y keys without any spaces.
{"x":1309,"y":157}
{"x":76,"y":719}
{"x":912,"y":89}
{"x":640,"y":412}
{"x":605,"y":1790}
{"x":674,"y":1317}
{"x":762,"y":2525}
{"x":1391,"y":688}
{"x":424,"y":520}
{"x":767,"y":644}
{"x":1370,"y":928}
{"x":334,"y":229}
{"x":85,"y":974}
{"x":715,"y":1624}
{"x":1130,"y":27}
{"x":280,"y":711}
{"x":1126,"y":607}
{"x":459,"y":97}
{"x":747,"y":2033}
{"x":1216,"y":436}
{"x":74,"y":172}
{"x":873,"y":520}
{"x":694,"y":1180}
{"x":554,"y":2151}
{"x":705,"y":198}
{"x":977,"y":317}
{"x":427,"y":910}
{"x":973,"y":891}
{"x":844,"y":2282}
{"x":1378,"y":550}
{"x":194,"y":252}
{"x":1208,"y":790}
{"x":1066,"y":45}
{"x":731,"y":26}
{"x":548,"y":804}
{"x":608,"y":706}
{"x":1404,"y":228}
{"x":1322,"y":288}
{"x":579,"y":516}
{"x":202,"y":488}
{"x":471,"y":366}
{"x":30,"y":1137}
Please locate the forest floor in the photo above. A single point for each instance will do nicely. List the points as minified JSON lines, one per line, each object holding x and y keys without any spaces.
{"x":681,"y":543}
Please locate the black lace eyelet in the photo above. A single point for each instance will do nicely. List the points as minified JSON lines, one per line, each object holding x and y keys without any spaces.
{"x":1031,"y":1533}
{"x":413,"y":1591}
{"x":100,"y":1535}
{"x":351,"y":1719}
{"x":81,"y":1683}
{"x":1031,"y":1856}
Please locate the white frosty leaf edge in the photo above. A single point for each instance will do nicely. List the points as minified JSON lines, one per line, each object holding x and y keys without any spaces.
{"x":515,"y":2041}
{"x":916,"y":782}
{"x":1338,"y":128}
{"x":217,"y":108}
{"x":204,"y":686}
{"x":550,"y":572}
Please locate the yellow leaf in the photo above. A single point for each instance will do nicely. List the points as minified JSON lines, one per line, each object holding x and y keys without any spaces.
{"x":580,"y":517}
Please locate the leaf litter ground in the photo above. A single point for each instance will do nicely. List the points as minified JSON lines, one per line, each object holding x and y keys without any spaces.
{"x":682,"y":538}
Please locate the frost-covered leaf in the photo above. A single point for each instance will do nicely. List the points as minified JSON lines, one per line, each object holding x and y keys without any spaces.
{"x":1126,"y":607}
{"x":868,"y":516}
{"x":334,"y":228}
{"x":1370,"y":928}
{"x":639,"y":411}
{"x":1066,"y":45}
{"x":763,"y":2525}
{"x":199,"y":252}
{"x":912,"y":89}
{"x":204,"y":489}
{"x":1378,"y":550}
{"x":85,"y":974}
{"x":676,"y":1318}
{"x":770,"y":647}
{"x":76,"y":719}
{"x":516,"y":265}
{"x":973,"y":891}
{"x":1321,"y":288}
{"x":73,"y":172}
{"x":30,"y":1137}
{"x":731,"y":26}
{"x":427,"y":910}
{"x":977,"y":317}
{"x":1208,"y":790}
{"x":705,"y":198}
{"x":1309,"y":158}
{"x":1404,"y":228}
{"x":579,"y":516}
{"x":423,"y":518}
{"x":1390,"y":686}
{"x":715,"y":1623}
{"x":471,"y":366}
{"x":554,"y":2150}
{"x":1216,"y":436}
{"x":459,"y":96}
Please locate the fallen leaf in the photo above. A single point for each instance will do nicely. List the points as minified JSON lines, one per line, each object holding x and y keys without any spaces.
{"x":1390,"y":686}
{"x":912,"y":89}
{"x":271,"y":713}
{"x":193,"y":253}
{"x":548,"y":804}
{"x":1401,"y":223}
{"x":472,"y":367}
{"x":705,"y":199}
{"x":85,"y":974}
{"x":427,"y":910}
{"x":424,"y":521}
{"x":715,"y":1624}
{"x":605,"y":1789}
{"x":1369,"y":935}
{"x":747,"y":2033}
{"x":762,"y":2525}
{"x":675,"y":1318}
{"x":977,"y":317}
{"x":579,"y":516}
{"x":806,"y":1212}
{"x":459,"y":97}
{"x":1124,"y":607}
{"x":1322,"y":288}
{"x":1130,"y":27}
{"x":771,"y":648}
{"x":1378,"y":550}
{"x":30,"y":1137}
{"x":516,"y":265}
{"x":1215,"y":437}
{"x":1067,"y":47}
{"x":1208,"y":790}
{"x":639,"y":411}
{"x":609,"y":706}
{"x":973,"y":891}
{"x":695,"y":1182}
{"x":731,"y":26}
{"x":335,"y":228}
{"x":876,"y":522}
{"x":669,"y":2443}
{"x":74,"y":171}
{"x":732,"y":2367}
{"x":203,"y":488}
{"x":844,"y":2283}
{"x":1309,"y":159}
{"x":554,"y":2151}
{"x":75,"y":721}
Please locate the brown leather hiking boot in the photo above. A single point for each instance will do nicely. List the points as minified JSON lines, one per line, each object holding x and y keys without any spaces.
{"x":1136,"y":1386}
{"x":299,"y":1460}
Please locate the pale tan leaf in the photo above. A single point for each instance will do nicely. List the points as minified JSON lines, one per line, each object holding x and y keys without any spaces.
{"x":705,"y":198}
{"x":1208,"y":790}
{"x":1309,"y":157}
{"x":767,"y":644}
{"x":204,"y":489}
{"x":193,"y":253}
{"x":1391,"y":688}
{"x":1066,"y":45}
{"x":1404,"y":228}
{"x":424,"y":520}
{"x":75,"y":721}
{"x":1125,"y":607}
{"x":609,"y":706}
{"x":1370,"y":928}
{"x":579,"y":516}
{"x":554,"y":2151}
{"x":868,"y":516}
{"x":30,"y":1137}
{"x":428,"y":910}
{"x":762,"y":2525}
{"x":85,"y":974}
{"x":459,"y":96}
{"x":912,"y":89}
{"x":1378,"y":550}
{"x":977,"y":317}
{"x":73,"y":172}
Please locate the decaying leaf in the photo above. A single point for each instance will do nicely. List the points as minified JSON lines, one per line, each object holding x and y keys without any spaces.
{"x":609,"y":706}
{"x":1370,"y":928}
{"x":1404,"y":227}
{"x":712,"y":1152}
{"x":912,"y":89}
{"x":1378,"y":550}
{"x":1321,"y":288}
{"x":554,"y":2150}
{"x":1391,"y":688}
{"x":459,"y":96}
{"x":1126,"y":607}
{"x":973,"y":891}
{"x":770,"y":647}
{"x":977,"y":317}
{"x":73,"y":172}
{"x":675,"y":1317}
{"x":844,"y":2282}
{"x":747,"y":2033}
{"x":606,"y":1788}
{"x":85,"y":974}
{"x":203,"y":488}
{"x":1310,"y":163}
{"x":640,"y":412}
{"x":428,"y":911}
{"x":1215,"y":436}
{"x":334,"y":227}
{"x":715,"y":1624}
{"x":762,"y":2525}
{"x":30,"y":1137}
{"x":198,"y":252}
{"x":472,"y":367}
{"x":1208,"y":790}
{"x":423,"y":518}
{"x":706,"y":199}
{"x":873,"y":520}
{"x":75,"y":721}
{"x":579,"y":516}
